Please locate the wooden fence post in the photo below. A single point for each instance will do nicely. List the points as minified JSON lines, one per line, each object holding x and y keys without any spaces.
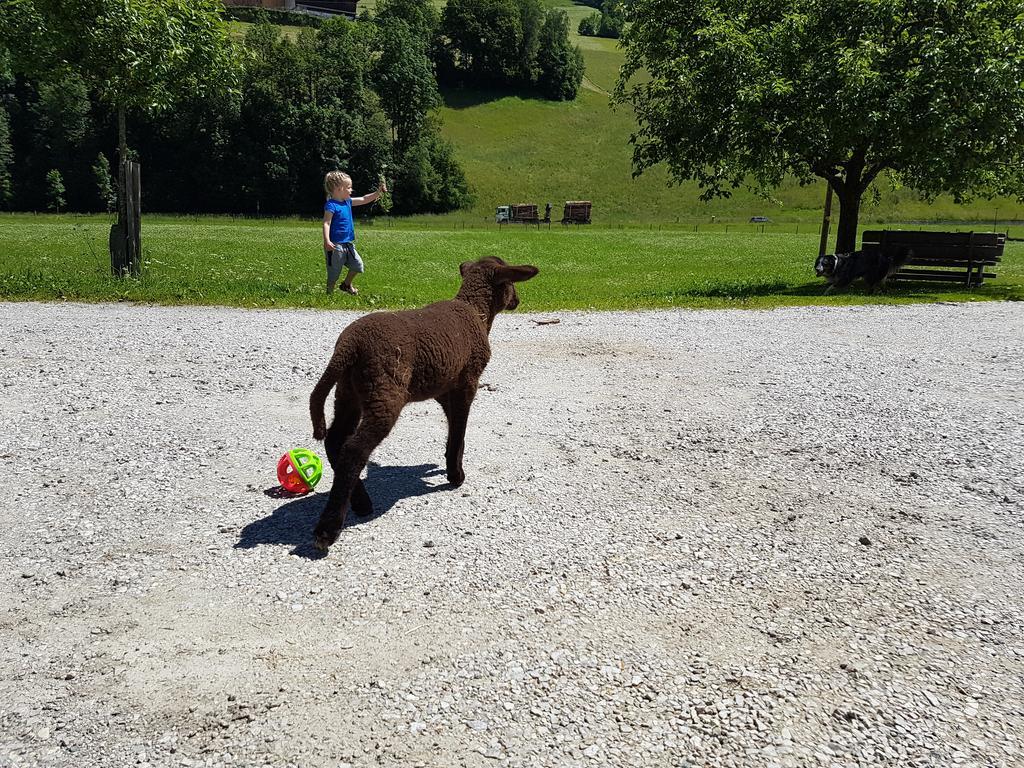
{"x":126,"y":235}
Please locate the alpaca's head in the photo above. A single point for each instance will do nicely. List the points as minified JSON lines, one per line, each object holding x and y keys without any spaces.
{"x":493,"y":280}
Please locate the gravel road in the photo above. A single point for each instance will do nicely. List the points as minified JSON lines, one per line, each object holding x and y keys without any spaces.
{"x":686,"y":538}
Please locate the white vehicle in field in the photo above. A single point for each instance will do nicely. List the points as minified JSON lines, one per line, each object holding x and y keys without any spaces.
{"x":502,"y":214}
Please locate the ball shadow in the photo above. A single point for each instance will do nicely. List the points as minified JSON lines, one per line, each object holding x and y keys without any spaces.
{"x":292,"y":522}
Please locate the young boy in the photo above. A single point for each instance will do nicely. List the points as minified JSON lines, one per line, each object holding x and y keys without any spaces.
{"x":339,"y":230}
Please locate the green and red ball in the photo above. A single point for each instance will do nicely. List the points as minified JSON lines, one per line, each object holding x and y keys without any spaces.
{"x":299,"y":470}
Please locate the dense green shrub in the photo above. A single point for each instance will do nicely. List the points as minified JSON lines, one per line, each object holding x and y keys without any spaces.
{"x":589,"y":25}
{"x":105,"y":193}
{"x":429,"y":179}
{"x":54,"y":190}
{"x":607,"y":23}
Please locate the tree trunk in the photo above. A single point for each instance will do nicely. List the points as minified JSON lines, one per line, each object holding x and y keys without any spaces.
{"x":826,"y":220}
{"x":122,"y":158}
{"x":849,"y":214}
{"x":122,"y":137}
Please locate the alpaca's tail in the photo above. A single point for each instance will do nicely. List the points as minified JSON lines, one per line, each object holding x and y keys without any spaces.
{"x":336,"y":368}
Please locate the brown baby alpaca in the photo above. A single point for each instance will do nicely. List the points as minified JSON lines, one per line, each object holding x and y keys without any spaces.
{"x":385,"y":360}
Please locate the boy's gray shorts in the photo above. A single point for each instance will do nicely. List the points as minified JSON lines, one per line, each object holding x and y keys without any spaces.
{"x":343,"y":255}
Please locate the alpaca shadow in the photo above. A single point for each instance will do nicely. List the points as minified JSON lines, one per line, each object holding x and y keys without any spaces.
{"x":292,"y":523}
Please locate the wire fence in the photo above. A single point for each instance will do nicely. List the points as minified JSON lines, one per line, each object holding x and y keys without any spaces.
{"x":1013,"y":228}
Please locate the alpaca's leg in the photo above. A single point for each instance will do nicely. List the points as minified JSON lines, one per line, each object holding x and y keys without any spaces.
{"x":346,"y":418}
{"x":456,"y":406}
{"x":376,"y":423}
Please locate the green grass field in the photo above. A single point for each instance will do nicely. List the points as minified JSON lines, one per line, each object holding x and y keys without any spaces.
{"x":277,"y":264}
{"x":238,"y":29}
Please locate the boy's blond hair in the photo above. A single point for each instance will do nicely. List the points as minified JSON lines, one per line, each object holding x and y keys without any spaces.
{"x":335,"y":179}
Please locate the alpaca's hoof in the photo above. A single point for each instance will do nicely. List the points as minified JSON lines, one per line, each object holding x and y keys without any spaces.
{"x":361,"y":503}
{"x":322,"y":541}
{"x":456,"y":477}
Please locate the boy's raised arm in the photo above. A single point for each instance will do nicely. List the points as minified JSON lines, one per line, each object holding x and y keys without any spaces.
{"x":371,"y":196}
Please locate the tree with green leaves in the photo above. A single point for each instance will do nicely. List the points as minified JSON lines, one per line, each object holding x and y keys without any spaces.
{"x":428,"y":178}
{"x":104,"y":183}
{"x":6,"y":141}
{"x":306,"y":108}
{"x":481,"y":41}
{"x":505,"y":43}
{"x":55,"y":190}
{"x":559,"y":62}
{"x":531,"y":19}
{"x":403,"y":77}
{"x":749,"y":91}
{"x":134,"y":54}
{"x":421,"y":15}
{"x":607,"y":23}
{"x":63,"y":133}
{"x":6,"y":160}
{"x":589,"y":25}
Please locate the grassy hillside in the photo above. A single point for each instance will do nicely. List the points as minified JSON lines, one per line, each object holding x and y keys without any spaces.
{"x":517,"y":149}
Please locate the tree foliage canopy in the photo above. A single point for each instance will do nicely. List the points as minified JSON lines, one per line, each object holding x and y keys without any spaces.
{"x":508,"y":43}
{"x":296,"y":109}
{"x":748,"y":91}
{"x":421,"y":15}
{"x":136,"y":54}
{"x":560,"y":64}
{"x":403,"y":77}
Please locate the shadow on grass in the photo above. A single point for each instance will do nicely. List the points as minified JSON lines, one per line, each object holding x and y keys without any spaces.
{"x":733,"y":289}
{"x":748,"y":289}
{"x":292,"y":523}
{"x":465,"y":98}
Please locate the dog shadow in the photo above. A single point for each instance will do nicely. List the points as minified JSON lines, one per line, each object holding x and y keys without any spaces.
{"x":292,"y":523}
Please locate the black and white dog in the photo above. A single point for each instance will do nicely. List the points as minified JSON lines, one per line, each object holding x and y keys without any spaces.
{"x":875,"y":267}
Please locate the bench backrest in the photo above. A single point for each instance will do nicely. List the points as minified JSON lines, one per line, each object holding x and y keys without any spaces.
{"x":982,"y":247}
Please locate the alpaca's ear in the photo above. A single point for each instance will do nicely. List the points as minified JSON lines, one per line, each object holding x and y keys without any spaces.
{"x":464,"y":266}
{"x":507,"y":274}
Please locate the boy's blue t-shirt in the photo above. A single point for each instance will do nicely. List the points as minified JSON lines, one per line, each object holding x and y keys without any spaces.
{"x":342,"y":229}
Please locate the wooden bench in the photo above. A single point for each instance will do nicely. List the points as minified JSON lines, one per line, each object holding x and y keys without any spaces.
{"x":960,"y":257}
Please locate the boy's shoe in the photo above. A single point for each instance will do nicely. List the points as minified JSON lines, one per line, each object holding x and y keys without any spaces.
{"x":350,"y":289}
